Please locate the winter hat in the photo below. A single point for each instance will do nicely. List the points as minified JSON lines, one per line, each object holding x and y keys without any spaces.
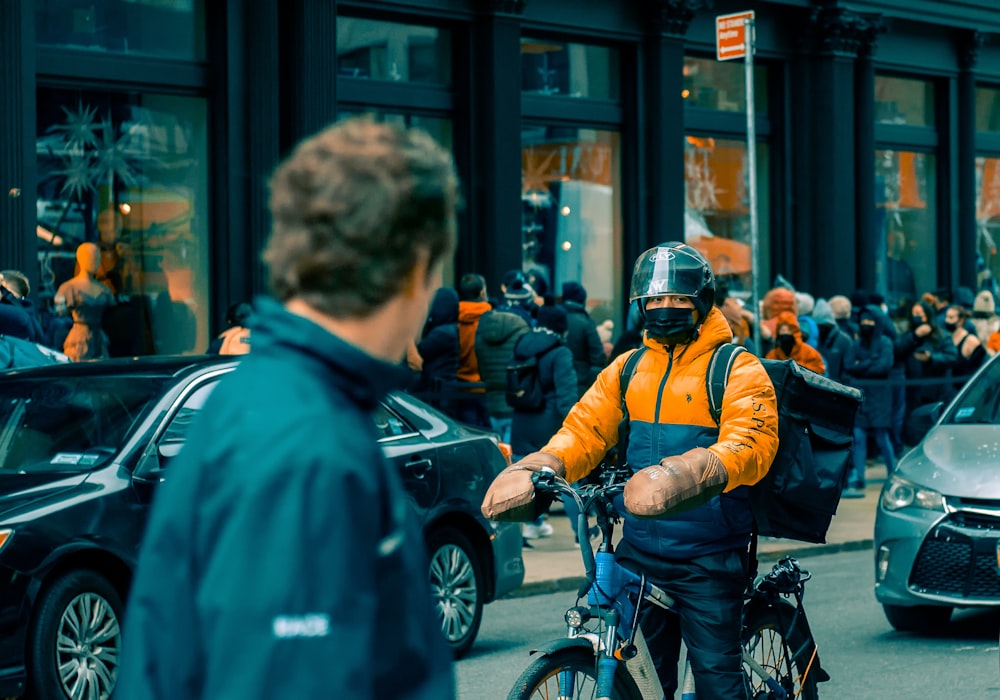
{"x":840,"y":306}
{"x":806,"y":303}
{"x":574,"y":291}
{"x":779,"y":299}
{"x":822,"y":313}
{"x":963,"y":297}
{"x":553,"y":317}
{"x":512,"y":276}
{"x":519,"y":290}
{"x":860,"y":299}
{"x":985,"y":303}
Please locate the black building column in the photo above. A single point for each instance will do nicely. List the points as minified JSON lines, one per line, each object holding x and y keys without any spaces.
{"x":826,"y":249}
{"x":495,"y":173}
{"x":662,"y":153}
{"x":868,"y":276}
{"x":308,"y":67}
{"x":964,"y":247}
{"x":17,"y":132}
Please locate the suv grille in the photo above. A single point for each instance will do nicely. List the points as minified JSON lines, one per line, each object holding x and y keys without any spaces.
{"x":953,"y":563}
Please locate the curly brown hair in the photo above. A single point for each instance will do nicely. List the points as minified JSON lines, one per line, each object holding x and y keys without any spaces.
{"x":354,"y":207}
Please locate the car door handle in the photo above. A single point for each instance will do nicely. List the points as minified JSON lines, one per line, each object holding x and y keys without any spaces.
{"x":418,"y":467}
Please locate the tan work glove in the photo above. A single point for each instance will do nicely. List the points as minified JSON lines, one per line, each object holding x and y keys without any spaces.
{"x":511,"y":496}
{"x":676,"y":484}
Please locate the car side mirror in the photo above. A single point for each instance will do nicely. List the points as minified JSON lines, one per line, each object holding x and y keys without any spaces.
{"x":922,"y":420}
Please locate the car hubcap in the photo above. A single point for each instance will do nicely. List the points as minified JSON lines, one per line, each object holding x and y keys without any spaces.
{"x":87,"y":648}
{"x":453,"y":583}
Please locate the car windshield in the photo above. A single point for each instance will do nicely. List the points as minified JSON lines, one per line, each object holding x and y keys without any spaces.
{"x":981,"y":402}
{"x":69,"y":425}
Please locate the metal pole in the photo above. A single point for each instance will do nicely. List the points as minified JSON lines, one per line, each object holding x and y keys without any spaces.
{"x":750,"y":39}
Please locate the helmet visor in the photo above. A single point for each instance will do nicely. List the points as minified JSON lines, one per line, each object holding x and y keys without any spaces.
{"x":661,"y":271}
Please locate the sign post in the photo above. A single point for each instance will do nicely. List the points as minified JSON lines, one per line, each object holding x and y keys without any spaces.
{"x":734,"y":38}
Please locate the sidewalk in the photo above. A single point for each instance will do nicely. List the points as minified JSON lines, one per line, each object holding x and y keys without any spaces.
{"x":553,"y":564}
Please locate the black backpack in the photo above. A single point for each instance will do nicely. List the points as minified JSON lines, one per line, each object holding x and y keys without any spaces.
{"x":799,"y":496}
{"x":524,"y":385}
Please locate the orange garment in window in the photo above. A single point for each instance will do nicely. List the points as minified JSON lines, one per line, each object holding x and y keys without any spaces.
{"x":804,"y":355}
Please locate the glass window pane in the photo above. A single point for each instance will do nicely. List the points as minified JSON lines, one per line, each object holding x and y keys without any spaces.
{"x":377,"y":50}
{"x":987,"y":109}
{"x":721,"y":85}
{"x":571,"y":213}
{"x":165,"y":28}
{"x":128,"y":173}
{"x":717,"y":209}
{"x":988,"y":220}
{"x":905,"y":212}
{"x":904,"y":101}
{"x":572,"y":70}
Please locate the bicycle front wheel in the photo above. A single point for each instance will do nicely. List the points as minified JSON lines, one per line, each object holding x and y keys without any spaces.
{"x":541,"y":679}
{"x":764,"y":640}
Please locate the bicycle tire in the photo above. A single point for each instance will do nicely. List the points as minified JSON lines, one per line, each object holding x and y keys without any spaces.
{"x":540,"y":679}
{"x":763,"y":639}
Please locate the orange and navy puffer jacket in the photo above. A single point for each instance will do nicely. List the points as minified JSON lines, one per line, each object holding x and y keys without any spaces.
{"x":668,"y":411}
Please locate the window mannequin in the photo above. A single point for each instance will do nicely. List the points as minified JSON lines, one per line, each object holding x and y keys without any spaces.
{"x":85,"y":299}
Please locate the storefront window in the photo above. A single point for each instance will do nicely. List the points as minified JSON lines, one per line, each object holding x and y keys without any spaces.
{"x":987,"y":109}
{"x":571,"y":205}
{"x":987,"y":222}
{"x":126,"y":172}
{"x":163,"y":28}
{"x":905,"y":214}
{"x":904,"y":101}
{"x":721,"y":85}
{"x":570,"y":70}
{"x":717,"y":209}
{"x":377,"y":50}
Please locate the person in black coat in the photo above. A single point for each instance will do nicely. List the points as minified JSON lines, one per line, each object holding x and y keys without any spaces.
{"x":927,"y":353}
{"x":581,"y":337}
{"x":439,"y":350}
{"x":867,"y":366}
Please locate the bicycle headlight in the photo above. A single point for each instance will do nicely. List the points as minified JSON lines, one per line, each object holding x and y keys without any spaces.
{"x":575,"y":617}
{"x":900,"y":493}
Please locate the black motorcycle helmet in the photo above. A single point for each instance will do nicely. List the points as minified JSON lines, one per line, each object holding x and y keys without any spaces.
{"x":674,"y":268}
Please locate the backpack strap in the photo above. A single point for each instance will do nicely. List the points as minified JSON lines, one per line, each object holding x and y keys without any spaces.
{"x":717,"y":376}
{"x":628,"y":369}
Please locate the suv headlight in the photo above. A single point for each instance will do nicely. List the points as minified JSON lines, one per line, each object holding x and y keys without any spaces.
{"x":900,"y":493}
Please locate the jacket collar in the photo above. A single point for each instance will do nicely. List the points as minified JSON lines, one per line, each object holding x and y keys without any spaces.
{"x":278,"y":333}
{"x":713,"y":332}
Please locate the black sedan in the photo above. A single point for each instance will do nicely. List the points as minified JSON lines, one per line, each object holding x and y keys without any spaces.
{"x":82,"y":449}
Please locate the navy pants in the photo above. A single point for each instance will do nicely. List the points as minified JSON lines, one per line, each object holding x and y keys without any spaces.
{"x":709,"y":595}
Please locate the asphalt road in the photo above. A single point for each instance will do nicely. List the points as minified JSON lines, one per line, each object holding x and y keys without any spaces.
{"x":864,"y":656}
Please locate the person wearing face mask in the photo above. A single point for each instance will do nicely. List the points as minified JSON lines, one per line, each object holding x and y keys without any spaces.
{"x":927,"y":353}
{"x":686,"y":509}
{"x":968,"y":347}
{"x":833,"y":344}
{"x":790,"y":346}
{"x":867,"y":366}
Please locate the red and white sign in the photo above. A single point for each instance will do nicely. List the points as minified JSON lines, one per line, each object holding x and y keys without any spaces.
{"x":730,"y":35}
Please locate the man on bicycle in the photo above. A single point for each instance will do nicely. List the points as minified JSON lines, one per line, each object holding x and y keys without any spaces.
{"x":687,"y":518}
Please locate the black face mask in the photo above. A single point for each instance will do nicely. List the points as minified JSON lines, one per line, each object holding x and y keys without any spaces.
{"x":950,"y":327}
{"x":824,"y":332}
{"x":866,"y":331}
{"x":917,"y":321}
{"x":786,"y":341}
{"x":670,"y":326}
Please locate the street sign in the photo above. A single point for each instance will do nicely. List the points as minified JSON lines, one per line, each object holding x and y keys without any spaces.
{"x":730,"y":35}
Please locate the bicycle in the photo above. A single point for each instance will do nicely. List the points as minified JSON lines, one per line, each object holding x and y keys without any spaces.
{"x":604,"y":654}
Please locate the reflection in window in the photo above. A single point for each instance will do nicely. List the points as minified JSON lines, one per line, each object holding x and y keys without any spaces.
{"x":717,"y":208}
{"x":127,"y":172}
{"x":904,"y":101}
{"x":987,"y":223}
{"x":721,"y":85}
{"x":572,"y":70}
{"x":906,"y":258}
{"x":379,"y":50}
{"x":987,"y":109}
{"x":571,"y":213}
{"x":163,"y":28}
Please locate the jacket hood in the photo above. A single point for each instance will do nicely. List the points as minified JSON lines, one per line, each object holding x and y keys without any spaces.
{"x":787,"y":318}
{"x":875,"y":313}
{"x":497,"y":327}
{"x":822,"y":314}
{"x":444,"y":309}
{"x":470,"y":311}
{"x":984,"y":303}
{"x":777,"y":300}
{"x":535,"y":342}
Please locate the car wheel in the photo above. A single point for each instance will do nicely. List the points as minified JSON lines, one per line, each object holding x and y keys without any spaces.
{"x":75,"y":641}
{"x":457,"y":587}
{"x":916,"y":618}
